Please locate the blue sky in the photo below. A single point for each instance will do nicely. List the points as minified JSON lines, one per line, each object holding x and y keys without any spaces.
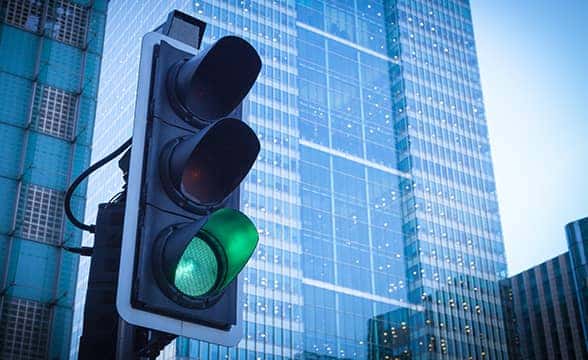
{"x":533,"y":57}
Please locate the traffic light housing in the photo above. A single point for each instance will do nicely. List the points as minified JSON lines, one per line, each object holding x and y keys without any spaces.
{"x":184,"y":239}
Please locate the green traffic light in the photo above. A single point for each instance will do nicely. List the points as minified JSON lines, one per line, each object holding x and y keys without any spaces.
{"x":197,"y":270}
{"x":200,"y":271}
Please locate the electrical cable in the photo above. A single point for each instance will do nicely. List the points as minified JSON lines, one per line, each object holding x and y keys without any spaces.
{"x":81,"y":177}
{"x":83,"y":250}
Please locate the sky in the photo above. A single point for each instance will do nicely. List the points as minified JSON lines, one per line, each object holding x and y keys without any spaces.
{"x":533,"y":58}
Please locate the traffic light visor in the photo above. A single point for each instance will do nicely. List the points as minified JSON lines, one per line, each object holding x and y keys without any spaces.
{"x":203,"y":258}
{"x":237,"y":238}
{"x":211,"y":85}
{"x":205,"y":168}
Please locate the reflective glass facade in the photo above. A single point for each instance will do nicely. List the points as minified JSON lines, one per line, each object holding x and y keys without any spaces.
{"x":577,"y":236}
{"x":50,"y":53}
{"x":453,"y":241}
{"x":373,"y":192}
{"x":542,"y":314}
{"x":353,"y":266}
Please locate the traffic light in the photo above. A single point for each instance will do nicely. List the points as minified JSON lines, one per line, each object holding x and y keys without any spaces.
{"x":184,"y":239}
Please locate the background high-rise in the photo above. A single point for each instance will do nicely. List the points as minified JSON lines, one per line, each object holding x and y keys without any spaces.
{"x":373,"y":193}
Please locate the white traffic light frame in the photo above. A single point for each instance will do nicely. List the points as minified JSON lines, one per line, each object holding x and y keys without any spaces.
{"x":128,"y":249}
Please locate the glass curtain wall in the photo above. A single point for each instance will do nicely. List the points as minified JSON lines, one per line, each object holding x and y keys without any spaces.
{"x":453,"y":240}
{"x":374,"y":191}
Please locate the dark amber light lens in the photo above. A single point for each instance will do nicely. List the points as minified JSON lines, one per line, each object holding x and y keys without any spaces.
{"x":212,"y":164}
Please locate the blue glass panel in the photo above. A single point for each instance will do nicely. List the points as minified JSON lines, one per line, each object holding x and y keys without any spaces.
{"x":47,"y":161}
{"x":18,"y":51}
{"x":34,"y":273}
{"x":19,"y":91}
{"x":11,"y":139}
{"x":61,"y":65}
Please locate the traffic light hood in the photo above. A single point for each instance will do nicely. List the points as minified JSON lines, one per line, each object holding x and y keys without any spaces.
{"x":203,"y":169}
{"x":202,"y":258}
{"x":237,"y":237}
{"x":212,"y":84}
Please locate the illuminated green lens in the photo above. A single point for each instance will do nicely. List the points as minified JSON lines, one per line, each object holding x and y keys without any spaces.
{"x":197,"y":269}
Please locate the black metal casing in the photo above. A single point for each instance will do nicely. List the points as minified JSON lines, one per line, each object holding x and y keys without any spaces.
{"x":100,"y":316}
{"x":159,"y":210}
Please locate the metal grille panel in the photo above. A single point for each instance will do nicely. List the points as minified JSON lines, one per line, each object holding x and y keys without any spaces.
{"x":25,"y":14}
{"x":24,"y":329}
{"x":56,"y":112}
{"x":66,"y":21}
{"x":69,"y":22}
{"x":41,"y":214}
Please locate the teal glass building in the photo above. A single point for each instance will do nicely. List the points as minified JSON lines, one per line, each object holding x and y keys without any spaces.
{"x":374,"y":193}
{"x":50,"y":53}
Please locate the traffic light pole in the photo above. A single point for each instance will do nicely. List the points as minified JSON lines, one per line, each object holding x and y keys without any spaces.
{"x":106,"y":335}
{"x":101,"y":320}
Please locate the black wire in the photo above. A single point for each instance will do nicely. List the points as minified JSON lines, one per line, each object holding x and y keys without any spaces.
{"x":80,"y":178}
{"x":82,"y":250}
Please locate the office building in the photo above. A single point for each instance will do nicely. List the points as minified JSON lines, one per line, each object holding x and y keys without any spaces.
{"x":545,"y":306}
{"x":374,"y":192}
{"x":50,"y":53}
{"x":577,"y":236}
{"x":542,"y":314}
{"x":451,"y":226}
{"x":389,"y":336}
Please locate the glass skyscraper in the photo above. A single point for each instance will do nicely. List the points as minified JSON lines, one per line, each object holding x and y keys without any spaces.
{"x":452,"y":235}
{"x":374,"y":194}
{"x":50,"y":53}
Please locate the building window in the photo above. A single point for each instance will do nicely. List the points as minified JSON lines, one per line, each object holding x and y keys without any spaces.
{"x":41,"y":214}
{"x":56,"y":112}
{"x":65,"y":21}
{"x":24,"y":14}
{"x":24,"y":329}
{"x":68,"y":22}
